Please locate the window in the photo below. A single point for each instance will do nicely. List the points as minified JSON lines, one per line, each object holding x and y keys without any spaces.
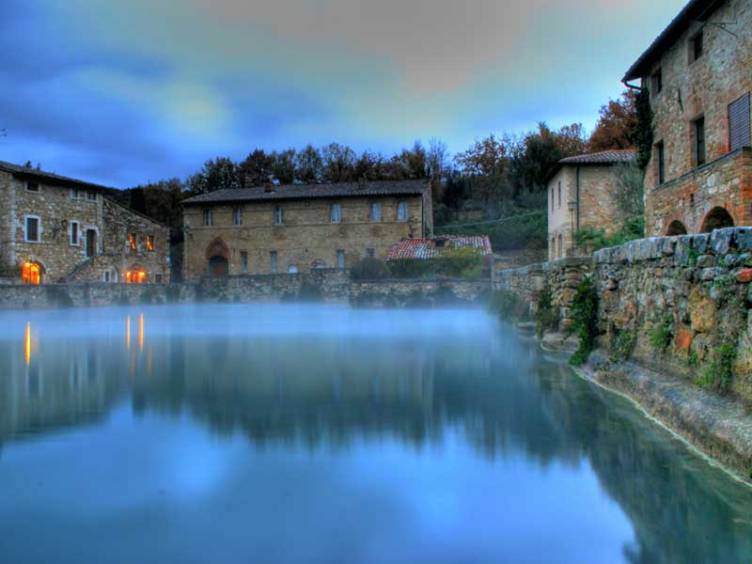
{"x":370,"y":253}
{"x":660,"y":162}
{"x":237,"y":216}
{"x":208,"y":217}
{"x":696,"y":47}
{"x":32,"y":187}
{"x":561,"y":246}
{"x":91,"y":196}
{"x":244,"y":262}
{"x":33,"y":229}
{"x":132,"y":242}
{"x":149,"y":242}
{"x":560,"y":194}
{"x":74,"y":194}
{"x":656,"y":82}
{"x":340,"y":258}
{"x":335,"y":214}
{"x":375,"y":212}
{"x":698,"y":127}
{"x":273,"y":260}
{"x":402,"y":213}
{"x":552,"y":198}
{"x":279,"y":215}
{"x":106,"y":276}
{"x":739,"y":123}
{"x":75,"y":232}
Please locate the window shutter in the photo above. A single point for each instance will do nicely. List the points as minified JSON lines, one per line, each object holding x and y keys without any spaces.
{"x":739,"y":123}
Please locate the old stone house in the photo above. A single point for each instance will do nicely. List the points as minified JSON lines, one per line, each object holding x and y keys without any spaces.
{"x":58,"y":229}
{"x":276,"y":229}
{"x":699,"y":76}
{"x":582,"y":194}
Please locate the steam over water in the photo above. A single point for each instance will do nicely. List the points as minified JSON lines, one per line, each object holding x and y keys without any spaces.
{"x":323,"y":434}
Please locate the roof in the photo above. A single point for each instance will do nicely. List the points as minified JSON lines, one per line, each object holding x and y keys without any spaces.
{"x":695,"y":10}
{"x":312,"y":191}
{"x":422,"y":249}
{"x":603,"y":158}
{"x":48,"y":177}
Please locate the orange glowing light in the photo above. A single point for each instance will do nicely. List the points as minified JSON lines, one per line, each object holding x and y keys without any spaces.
{"x":136,"y":277}
{"x":27,"y":343}
{"x":31,"y":273}
{"x":141,"y":332}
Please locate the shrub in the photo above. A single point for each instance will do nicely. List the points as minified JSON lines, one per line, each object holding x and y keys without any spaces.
{"x":622,"y":346}
{"x":509,"y":305}
{"x":718,"y":375}
{"x":662,"y":334}
{"x":453,"y":263}
{"x":585,"y":320}
{"x":546,"y":315}
{"x":369,"y":269}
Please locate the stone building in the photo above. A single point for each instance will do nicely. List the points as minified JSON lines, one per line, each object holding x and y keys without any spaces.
{"x":296,"y":228}
{"x":582,"y":194}
{"x":699,"y":76}
{"x":58,"y":229}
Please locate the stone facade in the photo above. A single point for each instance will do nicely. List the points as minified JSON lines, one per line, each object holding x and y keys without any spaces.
{"x":695,"y":75}
{"x":248,"y":237}
{"x":582,"y":194}
{"x":80,"y":236}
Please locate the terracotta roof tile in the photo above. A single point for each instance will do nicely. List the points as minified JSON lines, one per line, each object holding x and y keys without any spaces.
{"x":602,"y":157}
{"x":422,"y":249}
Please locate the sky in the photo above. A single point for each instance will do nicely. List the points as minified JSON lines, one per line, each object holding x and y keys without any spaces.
{"x":123,"y":92}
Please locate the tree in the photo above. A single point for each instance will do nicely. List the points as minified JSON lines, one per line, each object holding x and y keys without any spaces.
{"x":487,"y":157}
{"x":217,"y":174}
{"x":415,"y":161}
{"x":617,"y":125}
{"x":369,"y":166}
{"x":283,"y":166}
{"x":257,"y":169}
{"x":437,"y":158}
{"x":338,"y":163}
{"x":308,"y":165}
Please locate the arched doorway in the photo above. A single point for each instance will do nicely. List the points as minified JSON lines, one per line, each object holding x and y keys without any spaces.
{"x":136,"y":275}
{"x":676,"y":228}
{"x":218,"y":258}
{"x":717,"y":218}
{"x":32,"y":273}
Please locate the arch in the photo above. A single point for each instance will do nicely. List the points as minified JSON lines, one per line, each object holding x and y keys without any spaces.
{"x":717,"y":218}
{"x":676,"y":228}
{"x":32,"y":273}
{"x":219,"y":266}
{"x":218,"y":248}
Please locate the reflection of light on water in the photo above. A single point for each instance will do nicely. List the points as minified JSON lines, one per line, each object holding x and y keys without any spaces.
{"x":128,"y":332}
{"x":141,"y":332}
{"x":27,"y":343}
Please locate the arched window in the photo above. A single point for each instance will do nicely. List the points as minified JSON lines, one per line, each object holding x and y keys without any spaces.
{"x":717,"y":218}
{"x":32,"y":273}
{"x":676,"y":228}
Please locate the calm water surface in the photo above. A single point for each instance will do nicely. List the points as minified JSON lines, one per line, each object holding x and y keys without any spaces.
{"x":324,"y":434}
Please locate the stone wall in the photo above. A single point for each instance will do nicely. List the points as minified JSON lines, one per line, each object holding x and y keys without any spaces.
{"x":328,"y":285}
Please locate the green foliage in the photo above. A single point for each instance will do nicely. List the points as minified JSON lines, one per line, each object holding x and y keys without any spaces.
{"x":217,"y":174}
{"x":369,"y":269}
{"x":509,"y":305}
{"x":546,"y":315}
{"x":622,"y":346}
{"x":593,"y":239}
{"x":662,"y":334}
{"x":585,"y":320}
{"x":692,"y":359}
{"x":719,"y":374}
{"x":644,"y":134}
{"x":525,"y":229}
{"x":692,"y":256}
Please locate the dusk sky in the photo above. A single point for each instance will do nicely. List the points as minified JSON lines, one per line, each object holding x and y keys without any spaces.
{"x":122,"y":93}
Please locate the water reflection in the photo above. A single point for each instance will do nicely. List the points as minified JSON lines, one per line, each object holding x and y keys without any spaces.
{"x":333,"y":390}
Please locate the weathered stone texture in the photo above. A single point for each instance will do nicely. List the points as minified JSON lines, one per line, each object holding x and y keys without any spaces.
{"x":307,"y":238}
{"x":701,"y":88}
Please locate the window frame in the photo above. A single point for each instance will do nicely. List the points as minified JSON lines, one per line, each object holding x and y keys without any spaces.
{"x":26,"y":228}
{"x":376,"y":212}
{"x":660,"y":163}
{"x":77,"y":224}
{"x":403,"y":212}
{"x":335,"y":213}
{"x":208,"y":217}
{"x":91,"y":196}
{"x":149,"y":243}
{"x":35,"y":190}
{"x":745,"y":99}
{"x":132,"y":240}
{"x":696,"y":46}
{"x":279,"y":215}
{"x":237,"y":216}
{"x":699,"y":141}
{"x":656,"y":81}
{"x":244,"y":262}
{"x":341,"y":259}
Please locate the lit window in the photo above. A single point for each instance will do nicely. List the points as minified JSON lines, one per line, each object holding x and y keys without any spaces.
{"x":336,"y":213}
{"x":279,"y":215}
{"x":208,"y":217}
{"x":132,"y":242}
{"x":340,"y":259}
{"x":32,"y":187}
{"x":237,"y":216}
{"x":31,"y":273}
{"x":32,"y":233}
{"x":75,"y":231}
{"x":136,"y":276}
{"x":402,"y":211}
{"x":376,"y":212}
{"x":149,"y":242}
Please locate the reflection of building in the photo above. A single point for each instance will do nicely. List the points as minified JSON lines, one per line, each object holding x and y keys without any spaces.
{"x":296,"y":228}
{"x":698,"y":73}
{"x":57,"y":229}
{"x":581,"y":195}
